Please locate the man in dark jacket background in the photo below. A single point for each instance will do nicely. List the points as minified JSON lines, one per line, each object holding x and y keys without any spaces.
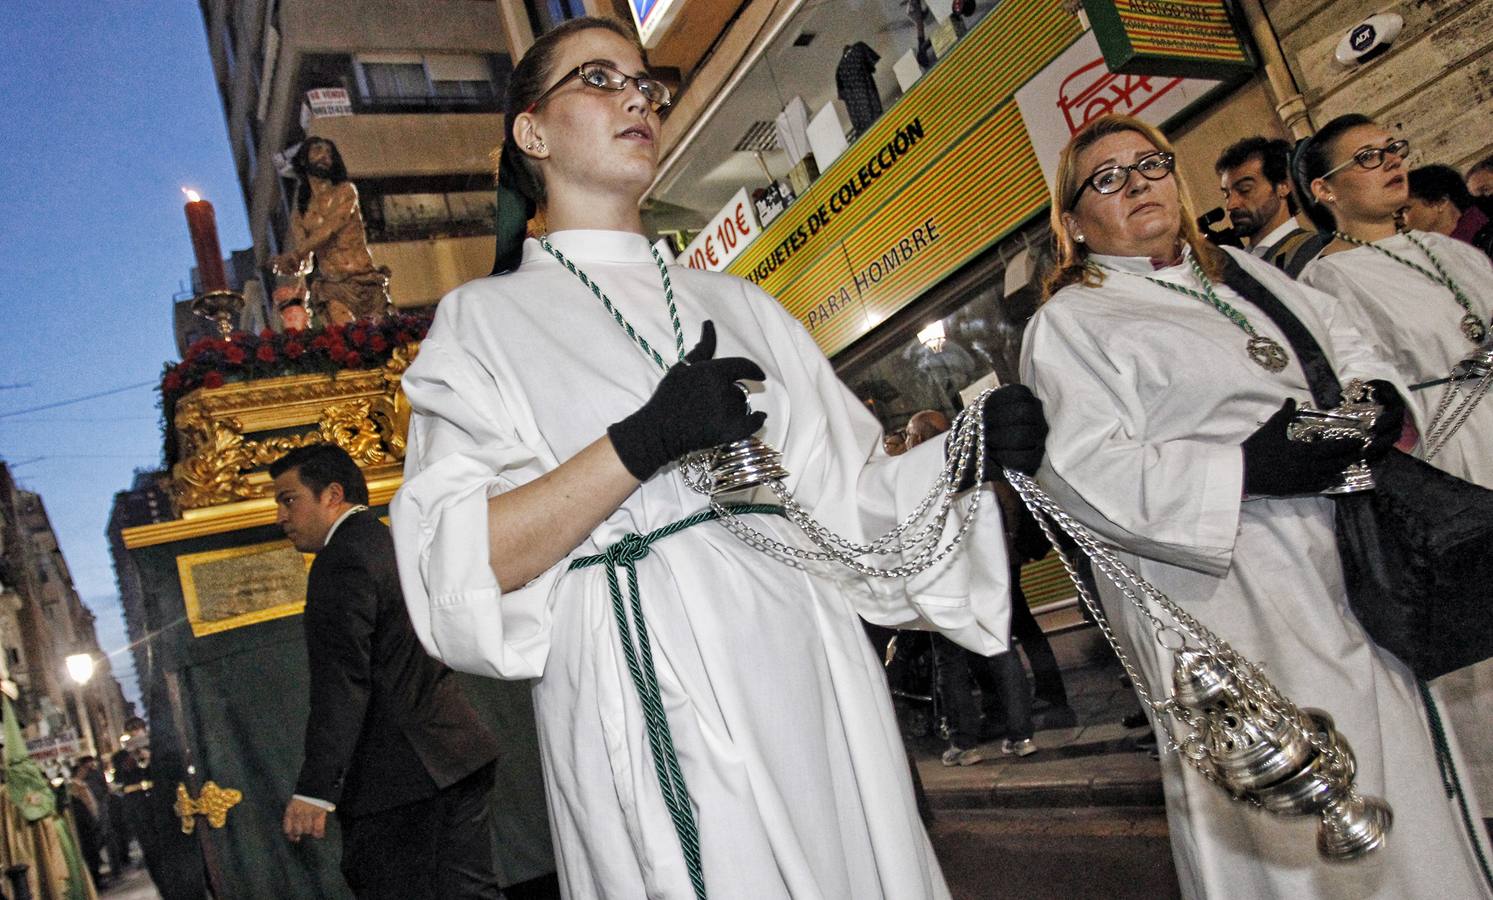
{"x":392,"y":746}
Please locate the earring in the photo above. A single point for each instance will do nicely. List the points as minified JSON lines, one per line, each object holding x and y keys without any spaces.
{"x":1078,"y":238}
{"x":535,"y":147}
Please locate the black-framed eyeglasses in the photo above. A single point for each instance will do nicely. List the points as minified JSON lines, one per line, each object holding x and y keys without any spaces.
{"x":1108,"y":180}
{"x":1373,"y":157}
{"x":604,"y":77}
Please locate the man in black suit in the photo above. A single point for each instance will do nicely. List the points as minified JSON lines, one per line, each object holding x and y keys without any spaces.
{"x":391,"y":744}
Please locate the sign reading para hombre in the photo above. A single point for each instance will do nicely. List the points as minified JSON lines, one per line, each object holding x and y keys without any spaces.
{"x":1180,"y":38}
{"x":939,"y":178}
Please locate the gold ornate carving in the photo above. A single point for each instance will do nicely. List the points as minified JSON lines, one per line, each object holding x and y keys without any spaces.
{"x":363,"y":412}
{"x":214,"y":803}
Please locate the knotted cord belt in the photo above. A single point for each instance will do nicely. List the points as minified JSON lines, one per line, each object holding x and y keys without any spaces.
{"x":625,"y":554}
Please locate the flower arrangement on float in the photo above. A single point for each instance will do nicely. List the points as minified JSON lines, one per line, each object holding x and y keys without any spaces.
{"x":242,"y":356}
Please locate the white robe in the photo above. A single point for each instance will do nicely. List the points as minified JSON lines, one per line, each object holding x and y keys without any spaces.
{"x":779,"y":710}
{"x":1417,"y":323}
{"x":1150,"y":394}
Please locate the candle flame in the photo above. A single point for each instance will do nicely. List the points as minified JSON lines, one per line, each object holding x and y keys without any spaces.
{"x":192,"y":196}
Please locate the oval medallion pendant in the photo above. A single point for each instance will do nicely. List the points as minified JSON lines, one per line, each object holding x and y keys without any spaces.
{"x":1267,"y":352}
{"x":1474,"y":328}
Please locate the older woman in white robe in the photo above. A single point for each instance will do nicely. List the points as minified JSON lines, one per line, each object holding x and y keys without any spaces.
{"x":1409,"y":288}
{"x":1151,"y":394}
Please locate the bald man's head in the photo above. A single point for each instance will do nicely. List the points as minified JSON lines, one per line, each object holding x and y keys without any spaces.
{"x":927,"y":424}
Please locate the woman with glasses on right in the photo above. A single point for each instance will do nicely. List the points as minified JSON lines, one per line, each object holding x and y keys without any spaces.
{"x":1168,"y":388}
{"x":1424,"y":298}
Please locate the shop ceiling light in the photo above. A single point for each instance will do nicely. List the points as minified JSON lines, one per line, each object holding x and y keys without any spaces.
{"x":932,"y":337}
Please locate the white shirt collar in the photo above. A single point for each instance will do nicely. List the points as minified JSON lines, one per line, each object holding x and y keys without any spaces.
{"x":1138,"y":265}
{"x":340,"y":519}
{"x":1270,"y":240}
{"x":593,"y":245}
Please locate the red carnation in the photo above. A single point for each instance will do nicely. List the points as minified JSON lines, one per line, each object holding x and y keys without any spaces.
{"x":234,"y":354}
{"x":403,"y":337}
{"x":171,"y":383}
{"x":378,"y":344}
{"x":265,"y":353}
{"x":266,"y":335}
{"x":212,"y":380}
{"x":294,"y":349}
{"x":357,"y":334}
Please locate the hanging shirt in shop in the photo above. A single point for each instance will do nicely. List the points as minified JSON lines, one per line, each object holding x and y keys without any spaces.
{"x":855,"y":79}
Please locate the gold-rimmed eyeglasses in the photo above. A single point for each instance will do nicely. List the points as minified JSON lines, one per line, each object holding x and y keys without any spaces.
{"x":1373,"y":157}
{"x":1110,"y":179}
{"x":605,"y":77}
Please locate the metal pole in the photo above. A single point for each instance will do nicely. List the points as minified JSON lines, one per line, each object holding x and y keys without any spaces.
{"x":85,"y":721}
{"x":1290,"y":105}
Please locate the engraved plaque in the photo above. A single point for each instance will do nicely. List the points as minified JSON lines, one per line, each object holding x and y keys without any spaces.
{"x":225,"y":589}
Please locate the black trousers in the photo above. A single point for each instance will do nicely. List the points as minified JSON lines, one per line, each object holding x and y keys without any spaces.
{"x":1002,"y":681}
{"x":1046,"y":675}
{"x":440,"y":848}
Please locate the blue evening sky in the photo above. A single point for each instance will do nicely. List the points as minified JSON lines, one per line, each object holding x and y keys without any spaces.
{"x":109,"y":109}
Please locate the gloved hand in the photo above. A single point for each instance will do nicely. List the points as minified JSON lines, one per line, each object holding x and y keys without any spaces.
{"x":1389,"y":424}
{"x":697,"y":405}
{"x":1015,"y":433}
{"x":1015,"y":430}
{"x":1275,"y":466}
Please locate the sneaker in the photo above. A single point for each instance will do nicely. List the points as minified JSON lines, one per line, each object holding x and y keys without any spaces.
{"x":1023,"y":747}
{"x":956,"y":757}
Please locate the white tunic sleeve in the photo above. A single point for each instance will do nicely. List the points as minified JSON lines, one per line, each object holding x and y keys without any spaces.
{"x":461,"y":451}
{"x":855,"y":488}
{"x":1172,"y":500}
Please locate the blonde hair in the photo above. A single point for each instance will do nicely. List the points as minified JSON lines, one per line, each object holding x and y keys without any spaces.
{"x":1071,"y":258}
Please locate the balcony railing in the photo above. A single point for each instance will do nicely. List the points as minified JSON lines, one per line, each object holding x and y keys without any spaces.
{"x":426,"y":103}
{"x":426,"y":229}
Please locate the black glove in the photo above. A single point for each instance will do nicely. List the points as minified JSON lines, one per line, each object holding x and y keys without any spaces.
{"x":1389,"y":424}
{"x":1015,"y":431}
{"x":1015,"y":434}
{"x":1275,"y":466}
{"x":697,"y":405}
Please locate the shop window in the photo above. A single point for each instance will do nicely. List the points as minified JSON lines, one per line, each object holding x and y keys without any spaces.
{"x":945,"y":349}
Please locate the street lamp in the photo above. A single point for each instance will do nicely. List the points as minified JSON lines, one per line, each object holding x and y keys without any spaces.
{"x":80,"y":668}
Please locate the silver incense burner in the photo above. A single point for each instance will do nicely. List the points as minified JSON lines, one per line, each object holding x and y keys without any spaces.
{"x":1352,"y":419}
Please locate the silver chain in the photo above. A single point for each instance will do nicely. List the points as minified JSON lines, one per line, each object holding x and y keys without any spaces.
{"x":918,"y":535}
{"x":1142,"y":596}
{"x":1448,"y":420}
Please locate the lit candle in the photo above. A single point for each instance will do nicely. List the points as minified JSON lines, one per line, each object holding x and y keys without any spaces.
{"x":203,"y":225}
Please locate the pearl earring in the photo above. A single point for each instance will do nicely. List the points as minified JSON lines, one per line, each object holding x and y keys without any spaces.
{"x":1078,"y":237}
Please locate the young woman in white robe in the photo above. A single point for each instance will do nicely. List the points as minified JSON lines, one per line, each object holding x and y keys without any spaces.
{"x":1406,"y":286}
{"x":1157,"y":443}
{"x":778,"y":709}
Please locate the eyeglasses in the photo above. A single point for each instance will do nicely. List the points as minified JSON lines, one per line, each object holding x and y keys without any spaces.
{"x":1373,"y":157}
{"x":1152,"y":167}
{"x":603,"y":77}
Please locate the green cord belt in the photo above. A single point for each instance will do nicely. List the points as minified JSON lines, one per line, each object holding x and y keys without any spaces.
{"x":625,"y":554}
